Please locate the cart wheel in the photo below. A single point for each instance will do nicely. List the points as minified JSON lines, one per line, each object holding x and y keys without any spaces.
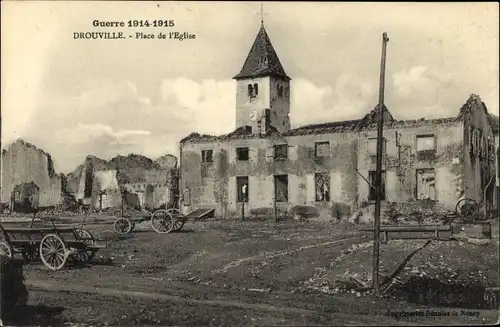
{"x":5,"y":249}
{"x":180,"y":219}
{"x":53,"y":252}
{"x":122,"y":226}
{"x":84,"y":255}
{"x":467,"y":208}
{"x":162,"y":221}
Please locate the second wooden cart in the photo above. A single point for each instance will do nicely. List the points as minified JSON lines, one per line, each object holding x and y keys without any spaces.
{"x":162,"y":221}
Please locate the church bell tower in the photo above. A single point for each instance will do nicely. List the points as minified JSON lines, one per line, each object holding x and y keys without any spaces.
{"x":263,"y":89}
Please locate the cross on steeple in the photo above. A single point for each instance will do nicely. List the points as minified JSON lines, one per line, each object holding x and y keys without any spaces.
{"x":262,"y":14}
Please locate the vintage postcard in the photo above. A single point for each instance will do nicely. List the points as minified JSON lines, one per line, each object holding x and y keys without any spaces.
{"x":201,"y":163}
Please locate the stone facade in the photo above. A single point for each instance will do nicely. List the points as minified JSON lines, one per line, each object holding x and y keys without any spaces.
{"x":144,"y":184}
{"x":23,"y":162}
{"x":442,"y":172}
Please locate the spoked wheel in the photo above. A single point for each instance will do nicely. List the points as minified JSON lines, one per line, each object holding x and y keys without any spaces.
{"x":467,"y":208}
{"x":5,"y":249}
{"x":53,"y":252}
{"x":162,"y":221}
{"x":84,"y":255}
{"x":179,"y":219}
{"x":122,"y":226}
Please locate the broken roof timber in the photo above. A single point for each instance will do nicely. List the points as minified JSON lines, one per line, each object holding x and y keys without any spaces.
{"x":368,"y":122}
{"x":323,"y":128}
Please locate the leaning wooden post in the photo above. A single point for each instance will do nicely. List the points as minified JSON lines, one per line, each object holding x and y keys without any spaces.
{"x":378,"y":175}
{"x":275,"y":207}
{"x":244,"y":192}
{"x":123,"y":202}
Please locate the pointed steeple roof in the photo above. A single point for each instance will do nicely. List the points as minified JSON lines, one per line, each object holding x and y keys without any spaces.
{"x":262,"y":60}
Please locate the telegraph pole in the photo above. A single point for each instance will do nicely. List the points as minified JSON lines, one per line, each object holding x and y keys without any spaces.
{"x":1,"y":155}
{"x":378,"y":174}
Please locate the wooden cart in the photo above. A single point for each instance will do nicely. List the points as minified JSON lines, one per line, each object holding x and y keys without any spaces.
{"x":53,"y":244}
{"x":163,"y":220}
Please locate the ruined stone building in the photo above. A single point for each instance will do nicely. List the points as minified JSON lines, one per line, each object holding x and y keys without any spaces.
{"x":322,"y":165}
{"x":27,"y":169}
{"x":142,"y":182}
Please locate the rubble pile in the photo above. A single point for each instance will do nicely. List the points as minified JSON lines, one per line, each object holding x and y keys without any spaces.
{"x":406,"y":213}
{"x":304,"y":212}
{"x":420,"y":212}
{"x":416,"y":271}
{"x":348,"y":282}
{"x":364,"y":216}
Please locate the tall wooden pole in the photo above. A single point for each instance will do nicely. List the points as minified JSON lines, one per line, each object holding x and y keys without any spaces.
{"x":378,"y":174}
{"x":1,"y":155}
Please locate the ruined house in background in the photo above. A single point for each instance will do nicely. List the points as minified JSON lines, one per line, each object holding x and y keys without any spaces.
{"x":327,"y":165}
{"x":140,"y":181}
{"x":22,"y":163}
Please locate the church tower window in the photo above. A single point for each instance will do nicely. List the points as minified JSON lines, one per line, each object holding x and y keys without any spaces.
{"x":250,"y":90}
{"x":256,"y":89}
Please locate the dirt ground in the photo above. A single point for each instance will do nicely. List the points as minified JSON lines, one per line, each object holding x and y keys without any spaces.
{"x":234,"y":273}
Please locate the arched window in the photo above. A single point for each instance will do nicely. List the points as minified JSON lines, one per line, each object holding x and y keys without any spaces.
{"x":250,"y":90}
{"x":280,"y":90}
{"x":256,"y":89}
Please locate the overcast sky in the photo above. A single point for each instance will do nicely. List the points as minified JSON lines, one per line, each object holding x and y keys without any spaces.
{"x":107,"y":97}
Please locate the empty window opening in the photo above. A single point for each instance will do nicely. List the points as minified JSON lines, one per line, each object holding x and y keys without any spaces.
{"x":478,"y":142}
{"x":471,"y":140}
{"x":373,"y":192}
{"x":242,"y":154}
{"x":255,"y":89}
{"x":281,"y":188}
{"x":87,"y":193}
{"x":242,"y":187}
{"x":322,"y":149}
{"x":281,"y":152}
{"x":280,"y":91}
{"x":250,"y":90}
{"x":482,"y":147}
{"x":186,"y":197}
{"x":426,"y":184}
{"x":322,"y":186}
{"x":426,"y":146}
{"x":207,"y":156}
{"x":372,"y":148}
